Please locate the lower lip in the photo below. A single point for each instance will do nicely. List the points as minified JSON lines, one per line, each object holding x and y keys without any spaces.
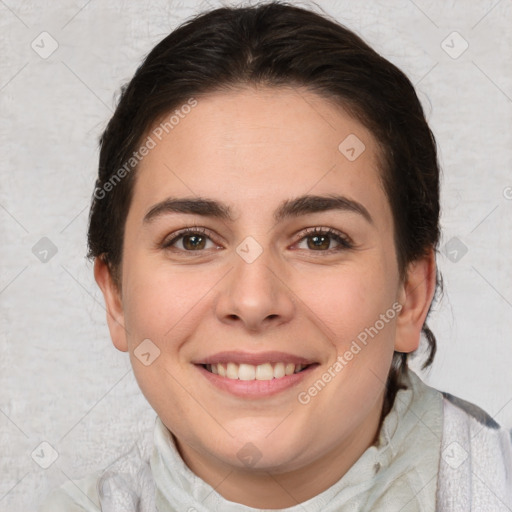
{"x":256,"y":388}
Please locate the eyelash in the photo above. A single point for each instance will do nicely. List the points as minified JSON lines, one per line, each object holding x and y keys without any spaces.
{"x":343,"y":240}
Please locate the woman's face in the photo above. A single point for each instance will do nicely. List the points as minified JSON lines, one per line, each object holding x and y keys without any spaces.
{"x":259,"y":284}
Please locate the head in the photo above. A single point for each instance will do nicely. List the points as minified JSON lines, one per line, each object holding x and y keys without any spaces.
{"x":228,"y":123}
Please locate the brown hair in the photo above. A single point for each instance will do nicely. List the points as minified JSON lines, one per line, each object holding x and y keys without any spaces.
{"x":275,"y":44}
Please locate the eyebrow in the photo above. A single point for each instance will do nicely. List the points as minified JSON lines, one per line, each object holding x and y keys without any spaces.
{"x":290,"y":208}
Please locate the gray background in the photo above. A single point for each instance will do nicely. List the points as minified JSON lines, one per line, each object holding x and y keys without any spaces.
{"x":61,"y":380}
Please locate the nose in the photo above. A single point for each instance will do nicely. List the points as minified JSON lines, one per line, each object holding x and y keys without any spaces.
{"x":255,"y":294}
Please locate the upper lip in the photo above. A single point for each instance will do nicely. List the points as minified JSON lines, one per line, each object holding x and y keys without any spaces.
{"x":254,"y":358}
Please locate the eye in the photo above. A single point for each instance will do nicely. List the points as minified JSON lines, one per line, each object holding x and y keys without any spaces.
{"x":191,"y":239}
{"x":195,"y":239}
{"x":319,"y":239}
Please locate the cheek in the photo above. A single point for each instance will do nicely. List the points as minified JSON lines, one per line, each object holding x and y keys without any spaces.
{"x":161,"y":300}
{"x":160,"y":307}
{"x":351,"y":299}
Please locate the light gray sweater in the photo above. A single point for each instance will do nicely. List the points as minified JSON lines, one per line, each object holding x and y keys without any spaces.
{"x":435,"y":452}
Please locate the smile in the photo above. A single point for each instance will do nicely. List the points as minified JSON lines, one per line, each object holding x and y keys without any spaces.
{"x":247,"y":372}
{"x":254,"y":375}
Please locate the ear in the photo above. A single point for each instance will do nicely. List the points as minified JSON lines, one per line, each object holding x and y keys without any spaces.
{"x":415,"y":295}
{"x":113,"y":304}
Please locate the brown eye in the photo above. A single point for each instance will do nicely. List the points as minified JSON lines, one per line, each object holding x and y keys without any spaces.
{"x":191,"y":239}
{"x":194,"y":242}
{"x":319,"y":240}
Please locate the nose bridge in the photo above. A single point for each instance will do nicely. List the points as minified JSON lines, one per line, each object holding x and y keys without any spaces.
{"x":254,"y":275}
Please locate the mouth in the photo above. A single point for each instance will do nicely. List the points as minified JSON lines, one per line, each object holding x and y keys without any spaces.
{"x":248,"y":372}
{"x":254,"y":376}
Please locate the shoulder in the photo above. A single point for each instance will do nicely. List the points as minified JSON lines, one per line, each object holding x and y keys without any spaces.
{"x":126,"y":478}
{"x":471,"y":410}
{"x":472,"y":425}
{"x":74,"y":496}
{"x":476,"y":459}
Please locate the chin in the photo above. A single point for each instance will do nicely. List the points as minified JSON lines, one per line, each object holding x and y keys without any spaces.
{"x":279,"y":454}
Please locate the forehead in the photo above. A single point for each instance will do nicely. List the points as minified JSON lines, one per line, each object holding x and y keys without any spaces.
{"x":252,"y":144}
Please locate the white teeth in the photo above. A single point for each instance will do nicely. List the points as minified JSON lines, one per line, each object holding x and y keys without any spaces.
{"x":265,"y":371}
{"x":232,"y":371}
{"x":246,"y":372}
{"x":290,"y":368}
{"x":279,"y":370}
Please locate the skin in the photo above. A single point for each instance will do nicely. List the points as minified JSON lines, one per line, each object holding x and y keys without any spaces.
{"x":252,"y":149}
